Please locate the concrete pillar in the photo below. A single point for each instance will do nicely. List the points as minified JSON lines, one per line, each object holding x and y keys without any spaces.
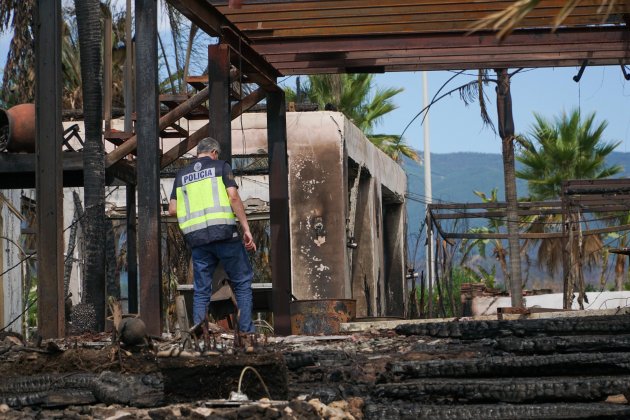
{"x":318,"y":208}
{"x":395,"y":285}
{"x":366,"y":261}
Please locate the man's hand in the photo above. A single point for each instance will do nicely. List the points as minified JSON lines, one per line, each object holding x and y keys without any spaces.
{"x":248,"y":241}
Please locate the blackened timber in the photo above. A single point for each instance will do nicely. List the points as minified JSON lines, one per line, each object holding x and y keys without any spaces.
{"x":248,"y":102}
{"x":150,"y":267}
{"x":473,"y":330}
{"x":515,"y":366}
{"x":411,"y":410}
{"x":525,"y":390}
{"x":48,"y":23}
{"x":184,"y":146}
{"x":219,"y":84}
{"x":214,"y":23}
{"x":132,"y":254}
{"x":191,"y":141}
{"x":166,"y":120}
{"x":279,"y":206}
{"x":567,"y":344}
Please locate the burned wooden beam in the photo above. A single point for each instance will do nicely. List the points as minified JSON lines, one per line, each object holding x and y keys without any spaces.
{"x":172,"y":116}
{"x":513,"y":366}
{"x":49,"y":178}
{"x":510,"y":390}
{"x":279,"y":203}
{"x":412,"y":410}
{"x":220,"y":127}
{"x":150,"y":264}
{"x":569,"y":344}
{"x":211,"y":21}
{"x":473,"y":330}
{"x":68,"y":388}
{"x":188,"y":143}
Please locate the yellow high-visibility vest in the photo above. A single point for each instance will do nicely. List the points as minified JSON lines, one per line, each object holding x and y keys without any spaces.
{"x":203,"y":202}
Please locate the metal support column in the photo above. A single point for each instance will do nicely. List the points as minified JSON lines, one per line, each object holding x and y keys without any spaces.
{"x":219,"y":101}
{"x":279,"y":204}
{"x":148,"y":165}
{"x":49,"y":178}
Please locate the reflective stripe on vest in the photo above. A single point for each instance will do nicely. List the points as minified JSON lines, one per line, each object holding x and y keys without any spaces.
{"x":202,"y":204}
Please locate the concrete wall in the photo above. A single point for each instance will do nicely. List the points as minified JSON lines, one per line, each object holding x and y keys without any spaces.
{"x":321,"y":146}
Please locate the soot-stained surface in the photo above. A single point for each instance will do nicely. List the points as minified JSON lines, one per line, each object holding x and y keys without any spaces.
{"x":573,"y":368}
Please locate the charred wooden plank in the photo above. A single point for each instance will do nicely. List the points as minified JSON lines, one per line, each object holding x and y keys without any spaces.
{"x":510,"y":390}
{"x":570,"y":344}
{"x":473,"y":330}
{"x":404,"y":410}
{"x":83,"y":388}
{"x":510,"y":366}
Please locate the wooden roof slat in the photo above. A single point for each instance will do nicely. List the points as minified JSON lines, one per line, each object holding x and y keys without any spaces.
{"x":385,"y":43}
{"x":289,"y":71}
{"x":463,"y":11}
{"x":279,"y":59}
{"x":253,"y":6}
{"x":339,"y":29}
{"x":481,"y":59}
{"x":456,"y":20}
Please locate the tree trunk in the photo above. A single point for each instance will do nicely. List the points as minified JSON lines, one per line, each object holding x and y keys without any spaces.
{"x":506,"y":131}
{"x":90,"y":35}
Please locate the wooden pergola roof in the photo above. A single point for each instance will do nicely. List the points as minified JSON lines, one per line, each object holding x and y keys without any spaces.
{"x":339,"y":36}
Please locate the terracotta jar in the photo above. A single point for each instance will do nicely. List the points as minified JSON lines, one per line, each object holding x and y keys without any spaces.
{"x":17,"y":129}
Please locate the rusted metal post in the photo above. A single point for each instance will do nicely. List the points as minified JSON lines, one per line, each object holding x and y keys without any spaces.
{"x":150,"y":264}
{"x":219,"y":101}
{"x":49,"y":179}
{"x":279,"y":206}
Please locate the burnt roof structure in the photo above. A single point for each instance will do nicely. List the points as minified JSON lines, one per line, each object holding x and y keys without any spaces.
{"x":322,"y":36}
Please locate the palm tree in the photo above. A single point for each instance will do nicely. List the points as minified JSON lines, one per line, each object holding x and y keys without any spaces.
{"x":90,"y":35}
{"x":18,"y":81}
{"x":567,"y":148}
{"x":356,"y":97}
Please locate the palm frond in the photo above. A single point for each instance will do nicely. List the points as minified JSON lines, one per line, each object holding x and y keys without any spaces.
{"x":508,"y":19}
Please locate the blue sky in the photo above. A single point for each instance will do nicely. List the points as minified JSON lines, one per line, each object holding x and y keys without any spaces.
{"x":455,"y":127}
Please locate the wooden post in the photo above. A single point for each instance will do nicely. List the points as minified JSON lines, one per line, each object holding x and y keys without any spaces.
{"x":219,"y":101}
{"x":49,"y":178}
{"x":150,"y":264}
{"x":107,"y":71}
{"x":279,"y":206}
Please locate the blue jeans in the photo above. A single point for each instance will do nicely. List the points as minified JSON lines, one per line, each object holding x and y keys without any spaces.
{"x":236,"y":264}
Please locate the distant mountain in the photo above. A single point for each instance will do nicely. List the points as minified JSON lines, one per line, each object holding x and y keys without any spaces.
{"x":456,"y":175}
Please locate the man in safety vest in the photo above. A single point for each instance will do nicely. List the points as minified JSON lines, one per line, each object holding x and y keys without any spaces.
{"x":206,"y":201}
